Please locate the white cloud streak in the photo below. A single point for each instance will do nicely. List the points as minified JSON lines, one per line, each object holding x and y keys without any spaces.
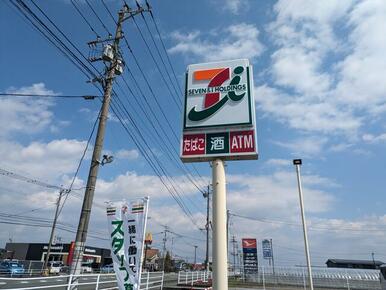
{"x":236,"y":41}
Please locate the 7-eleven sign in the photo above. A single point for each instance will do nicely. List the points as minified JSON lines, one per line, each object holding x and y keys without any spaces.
{"x":219,"y":95}
{"x":219,"y":112}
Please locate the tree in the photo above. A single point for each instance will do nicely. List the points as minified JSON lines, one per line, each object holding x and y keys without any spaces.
{"x":168,"y":263}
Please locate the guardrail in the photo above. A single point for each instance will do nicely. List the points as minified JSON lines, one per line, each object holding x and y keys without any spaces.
{"x":193,"y":277}
{"x":149,"y":280}
{"x":336,"y":278}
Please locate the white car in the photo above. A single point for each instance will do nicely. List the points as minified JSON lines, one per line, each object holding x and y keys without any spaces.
{"x":107,"y":269}
{"x":55,"y":267}
{"x":86,"y":267}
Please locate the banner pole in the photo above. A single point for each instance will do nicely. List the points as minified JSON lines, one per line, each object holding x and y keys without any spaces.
{"x":143,"y":241}
{"x":220,"y":271}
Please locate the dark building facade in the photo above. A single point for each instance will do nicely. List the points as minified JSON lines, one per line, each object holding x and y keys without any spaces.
{"x":59,"y":252}
{"x":353,"y":264}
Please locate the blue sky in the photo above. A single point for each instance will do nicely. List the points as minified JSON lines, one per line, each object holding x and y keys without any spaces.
{"x":320,"y":96}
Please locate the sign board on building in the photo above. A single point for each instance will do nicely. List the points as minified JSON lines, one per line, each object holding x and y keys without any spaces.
{"x":250,"y":256}
{"x":219,"y":112}
{"x":267,"y":249}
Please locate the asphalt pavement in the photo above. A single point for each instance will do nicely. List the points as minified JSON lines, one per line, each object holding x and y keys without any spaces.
{"x":40,"y":282}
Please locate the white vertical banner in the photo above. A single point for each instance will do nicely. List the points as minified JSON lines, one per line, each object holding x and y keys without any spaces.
{"x":127,"y":227}
{"x":135,"y":218}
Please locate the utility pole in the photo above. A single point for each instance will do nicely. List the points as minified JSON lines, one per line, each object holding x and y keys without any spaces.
{"x":164,"y":248}
{"x":195,"y":255}
{"x":297,"y":163}
{"x":107,"y":83}
{"x":234,"y":242}
{"x":206,"y":195}
{"x":273,"y":260}
{"x":45,"y":267}
{"x":372,"y":255}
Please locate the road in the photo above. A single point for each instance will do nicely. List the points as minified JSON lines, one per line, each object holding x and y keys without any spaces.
{"x":40,"y":282}
{"x":86,"y":282}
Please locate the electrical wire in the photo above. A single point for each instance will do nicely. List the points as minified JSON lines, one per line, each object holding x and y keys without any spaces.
{"x":46,"y":96}
{"x":263,"y":220}
{"x":99,"y":19}
{"x":162,"y":59}
{"x":157,"y":66}
{"x":164,"y":47}
{"x":109,"y":12}
{"x":84,"y":18}
{"x":67,"y":52}
{"x":80,"y":161}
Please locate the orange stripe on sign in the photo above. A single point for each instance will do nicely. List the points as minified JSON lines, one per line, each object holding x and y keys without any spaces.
{"x":206,"y":74}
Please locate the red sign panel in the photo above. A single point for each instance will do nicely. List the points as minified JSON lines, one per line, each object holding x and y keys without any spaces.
{"x":242,"y":141}
{"x":193,"y":144}
{"x":249,"y":243}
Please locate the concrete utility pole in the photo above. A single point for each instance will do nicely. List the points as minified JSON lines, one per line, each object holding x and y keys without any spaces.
{"x":81,"y":235}
{"x":297,"y":163}
{"x":195,"y":255}
{"x":164,"y":249}
{"x":207,"y":196}
{"x":219,"y":246}
{"x":273,"y":260}
{"x":45,"y":267}
{"x":234,"y":242}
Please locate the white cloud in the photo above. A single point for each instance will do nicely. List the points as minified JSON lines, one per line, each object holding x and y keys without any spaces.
{"x":304,"y":113}
{"x":370,"y":138}
{"x":276,"y":195}
{"x":340,"y":147}
{"x":361,"y":82}
{"x":49,"y":161}
{"x":278,"y":162}
{"x":298,"y":69}
{"x":305,"y":147}
{"x":327,"y":66}
{"x":25,"y":115}
{"x":236,"y":41}
{"x":234,"y":6}
{"x":127,"y":154}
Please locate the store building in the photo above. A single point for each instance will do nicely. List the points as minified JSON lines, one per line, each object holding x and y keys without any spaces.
{"x":353,"y":264}
{"x":59,"y":252}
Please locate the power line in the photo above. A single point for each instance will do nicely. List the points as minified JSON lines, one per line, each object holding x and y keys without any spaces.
{"x":188,"y":174}
{"x":67,"y":52}
{"x":84,"y":18}
{"x":157,"y":66}
{"x":162,"y":60}
{"x":169,"y":151}
{"x":157,"y":168}
{"x":262,"y":220}
{"x":80,"y":161}
{"x":109,"y":12}
{"x":97,"y":16}
{"x":17,"y":176}
{"x":164,"y":47}
{"x":86,"y":97}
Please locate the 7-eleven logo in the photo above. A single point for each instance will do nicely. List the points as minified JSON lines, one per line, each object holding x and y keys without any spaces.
{"x":217,"y":93}
{"x":216,"y":77}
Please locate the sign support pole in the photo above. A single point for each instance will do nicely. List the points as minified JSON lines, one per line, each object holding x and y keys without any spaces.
{"x":297,"y":163}
{"x":220,"y":271}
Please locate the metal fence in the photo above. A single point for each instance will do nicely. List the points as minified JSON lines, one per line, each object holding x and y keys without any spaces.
{"x":331,"y":278}
{"x":193,"y":277}
{"x":266,"y":277}
{"x":31,"y":268}
{"x":149,"y":280}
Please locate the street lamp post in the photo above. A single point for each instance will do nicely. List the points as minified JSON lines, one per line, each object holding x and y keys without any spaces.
{"x":297,"y":163}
